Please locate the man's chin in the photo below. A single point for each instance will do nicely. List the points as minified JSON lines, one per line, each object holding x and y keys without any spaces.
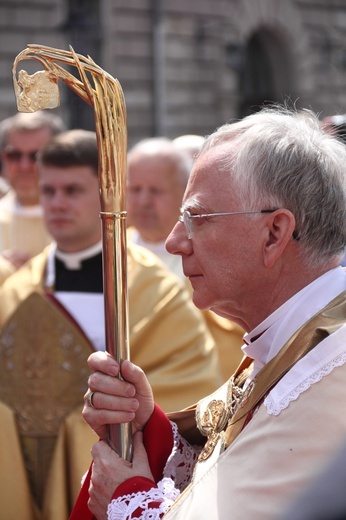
{"x":203,"y":303}
{"x":200,"y":302}
{"x":145,"y":224}
{"x":27,"y":199}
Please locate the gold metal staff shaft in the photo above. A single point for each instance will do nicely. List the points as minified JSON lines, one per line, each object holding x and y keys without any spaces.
{"x":40,"y":91}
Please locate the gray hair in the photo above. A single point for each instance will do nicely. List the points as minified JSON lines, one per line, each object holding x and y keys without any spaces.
{"x":282,"y":158}
{"x":28,"y":122}
{"x":165,"y":148}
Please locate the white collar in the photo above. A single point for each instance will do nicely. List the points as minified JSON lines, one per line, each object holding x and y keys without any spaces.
{"x":287,"y":319}
{"x":71,"y":260}
{"x":10,"y":203}
{"x":155,"y":247}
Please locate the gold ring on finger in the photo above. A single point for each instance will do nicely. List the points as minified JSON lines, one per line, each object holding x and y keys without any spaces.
{"x":89,"y":397}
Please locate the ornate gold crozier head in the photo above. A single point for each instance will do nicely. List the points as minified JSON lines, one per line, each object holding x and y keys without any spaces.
{"x":37,"y":91}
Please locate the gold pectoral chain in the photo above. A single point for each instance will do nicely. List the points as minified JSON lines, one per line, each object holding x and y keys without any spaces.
{"x":218,"y":414}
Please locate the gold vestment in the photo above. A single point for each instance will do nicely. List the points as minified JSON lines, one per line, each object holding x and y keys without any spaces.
{"x":21,"y":232}
{"x":43,"y":376}
{"x":168,"y":339}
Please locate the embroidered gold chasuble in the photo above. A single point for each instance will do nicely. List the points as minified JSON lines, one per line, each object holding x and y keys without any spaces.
{"x":43,"y":381}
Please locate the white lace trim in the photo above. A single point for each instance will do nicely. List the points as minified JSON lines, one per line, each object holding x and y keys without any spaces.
{"x":124,"y":507}
{"x":176,"y":476}
{"x":182,"y":460}
{"x":274,"y":407}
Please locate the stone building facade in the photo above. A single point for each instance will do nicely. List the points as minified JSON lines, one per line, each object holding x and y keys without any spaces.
{"x":187,"y":66}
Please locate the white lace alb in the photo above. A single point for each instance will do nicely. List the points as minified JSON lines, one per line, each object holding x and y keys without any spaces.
{"x":318,"y":363}
{"x":153,"y":504}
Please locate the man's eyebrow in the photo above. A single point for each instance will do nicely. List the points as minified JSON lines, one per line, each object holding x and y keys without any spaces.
{"x":192,"y":205}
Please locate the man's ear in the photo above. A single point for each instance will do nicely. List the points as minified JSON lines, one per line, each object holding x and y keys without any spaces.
{"x":280,"y":227}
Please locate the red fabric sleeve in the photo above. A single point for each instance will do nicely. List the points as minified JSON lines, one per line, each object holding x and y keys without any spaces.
{"x":158,"y":442}
{"x":80,"y":510}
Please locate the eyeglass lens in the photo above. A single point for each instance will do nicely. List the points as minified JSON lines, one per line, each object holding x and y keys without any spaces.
{"x":185,"y":217}
{"x":17,"y":155}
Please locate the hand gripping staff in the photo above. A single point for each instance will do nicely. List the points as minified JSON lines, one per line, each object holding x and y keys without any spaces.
{"x":104,"y":93}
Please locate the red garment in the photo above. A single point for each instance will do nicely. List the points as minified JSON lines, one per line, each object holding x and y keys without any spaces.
{"x":158,"y":442}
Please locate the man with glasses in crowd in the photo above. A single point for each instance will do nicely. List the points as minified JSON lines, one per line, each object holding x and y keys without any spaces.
{"x":261,"y":234}
{"x":23,"y":233}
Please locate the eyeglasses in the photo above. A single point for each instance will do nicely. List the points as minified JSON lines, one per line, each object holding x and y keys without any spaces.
{"x":186,"y":217}
{"x":14,"y":155}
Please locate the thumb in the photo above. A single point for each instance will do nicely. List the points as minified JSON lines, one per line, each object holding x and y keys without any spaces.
{"x":139,"y":452}
{"x":135,"y":375}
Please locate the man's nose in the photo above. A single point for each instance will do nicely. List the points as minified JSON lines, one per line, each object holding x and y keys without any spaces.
{"x":144,"y":197}
{"x":58,"y":200}
{"x":25,"y":162}
{"x":178,"y":242}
